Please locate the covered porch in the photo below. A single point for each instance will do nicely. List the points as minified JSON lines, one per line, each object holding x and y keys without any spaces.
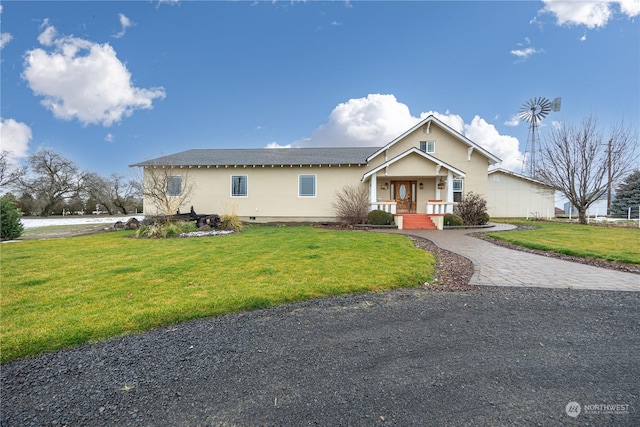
{"x":418,"y":186}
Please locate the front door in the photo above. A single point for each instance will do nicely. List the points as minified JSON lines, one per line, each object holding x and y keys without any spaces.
{"x":404,"y":195}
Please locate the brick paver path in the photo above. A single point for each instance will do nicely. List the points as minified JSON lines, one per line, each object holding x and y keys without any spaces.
{"x":499,"y":266}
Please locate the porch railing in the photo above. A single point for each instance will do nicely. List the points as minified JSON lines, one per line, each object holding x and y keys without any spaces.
{"x":438,"y":207}
{"x":384,"y":205}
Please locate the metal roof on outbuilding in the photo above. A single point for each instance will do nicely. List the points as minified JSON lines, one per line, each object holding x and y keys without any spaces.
{"x":265,"y":156}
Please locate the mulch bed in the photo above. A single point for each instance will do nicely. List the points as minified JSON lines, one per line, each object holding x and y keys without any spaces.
{"x":453,"y":271}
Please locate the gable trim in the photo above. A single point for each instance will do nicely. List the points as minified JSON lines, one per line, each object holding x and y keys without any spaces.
{"x":427,"y":121}
{"x":516,"y":175}
{"x":413,"y":150}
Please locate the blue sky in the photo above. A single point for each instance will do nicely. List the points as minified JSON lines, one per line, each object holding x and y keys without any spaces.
{"x":108,"y":84}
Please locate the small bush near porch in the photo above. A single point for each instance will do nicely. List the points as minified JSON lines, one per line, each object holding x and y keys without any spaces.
{"x":64,"y":292}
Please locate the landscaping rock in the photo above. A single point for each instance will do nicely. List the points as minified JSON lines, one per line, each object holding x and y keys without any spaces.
{"x":133,"y":224}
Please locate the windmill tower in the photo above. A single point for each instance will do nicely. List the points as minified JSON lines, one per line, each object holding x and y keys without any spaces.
{"x":533,"y":111}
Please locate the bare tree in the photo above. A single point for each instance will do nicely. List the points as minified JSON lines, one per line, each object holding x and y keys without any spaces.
{"x":352,"y":204}
{"x":583,"y":162}
{"x":10,"y":173}
{"x":99,"y":190}
{"x":167,"y":188}
{"x":51,"y":179}
{"x":124,"y":193}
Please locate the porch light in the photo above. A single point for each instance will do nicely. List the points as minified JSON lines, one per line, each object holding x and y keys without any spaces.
{"x":385,"y":186}
{"x":440,"y":184}
{"x":421,"y":186}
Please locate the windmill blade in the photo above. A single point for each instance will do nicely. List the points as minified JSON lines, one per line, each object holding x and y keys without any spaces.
{"x":544,"y":108}
{"x":527,"y":110}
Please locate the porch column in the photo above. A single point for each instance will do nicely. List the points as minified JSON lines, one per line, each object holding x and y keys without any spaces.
{"x":449,"y":199}
{"x":438,"y":197}
{"x":373,"y":189}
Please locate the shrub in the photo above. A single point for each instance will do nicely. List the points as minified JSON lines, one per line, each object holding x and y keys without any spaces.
{"x":378,"y":217}
{"x":10,"y":225}
{"x":471,"y":209}
{"x":165,"y":230}
{"x":352,"y":204}
{"x":452,"y":220}
{"x":486,"y":219}
{"x":230,"y":222}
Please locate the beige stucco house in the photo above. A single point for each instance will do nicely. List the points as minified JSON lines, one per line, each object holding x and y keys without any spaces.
{"x":418,"y":177}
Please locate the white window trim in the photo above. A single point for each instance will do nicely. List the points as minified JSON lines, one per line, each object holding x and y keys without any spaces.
{"x":170,"y":178}
{"x":426,"y":147}
{"x":315,"y":186}
{"x":231,"y":186}
{"x":461,"y":190}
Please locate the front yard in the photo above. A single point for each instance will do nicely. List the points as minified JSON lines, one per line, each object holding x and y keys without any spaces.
{"x":59,"y":293}
{"x":585,"y":241}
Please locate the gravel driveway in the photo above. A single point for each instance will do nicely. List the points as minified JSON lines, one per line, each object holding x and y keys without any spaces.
{"x":493,"y":356}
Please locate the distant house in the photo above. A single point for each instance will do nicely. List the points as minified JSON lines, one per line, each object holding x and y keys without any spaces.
{"x":418,"y":177}
{"x":597,"y":208}
{"x":510,"y":195}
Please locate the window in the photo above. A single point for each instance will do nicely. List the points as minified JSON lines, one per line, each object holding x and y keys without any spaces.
{"x":306,"y":185}
{"x":457,"y":190}
{"x":239,"y":185}
{"x":428,"y":146}
{"x":174,"y":185}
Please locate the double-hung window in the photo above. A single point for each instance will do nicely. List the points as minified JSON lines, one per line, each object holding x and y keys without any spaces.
{"x":457,"y":190}
{"x":239,"y":186}
{"x":174,"y":185}
{"x":428,"y":146}
{"x":306,"y":186}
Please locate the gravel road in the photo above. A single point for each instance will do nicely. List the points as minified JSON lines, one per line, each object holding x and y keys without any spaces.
{"x":493,"y":356}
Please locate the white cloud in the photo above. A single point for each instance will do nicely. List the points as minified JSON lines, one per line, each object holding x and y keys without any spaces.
{"x":513,"y":121}
{"x":274,"y":144}
{"x":630,"y":8}
{"x":109,"y":137}
{"x":4,"y":39}
{"x":48,"y":35}
{"x":83,"y":80}
{"x":125,"y":23}
{"x":504,"y":146}
{"x":169,"y":2}
{"x":592,"y":14}
{"x":526,"y":50}
{"x":15,"y":137}
{"x":370,"y":121}
{"x":378,"y":119}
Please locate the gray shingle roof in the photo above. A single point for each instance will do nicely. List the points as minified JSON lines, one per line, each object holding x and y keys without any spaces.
{"x":265,"y":156}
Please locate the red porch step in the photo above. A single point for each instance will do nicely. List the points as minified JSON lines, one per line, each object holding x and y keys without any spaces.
{"x":417,"y":222}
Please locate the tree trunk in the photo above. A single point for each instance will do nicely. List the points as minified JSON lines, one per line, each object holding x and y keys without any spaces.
{"x":582,"y":215}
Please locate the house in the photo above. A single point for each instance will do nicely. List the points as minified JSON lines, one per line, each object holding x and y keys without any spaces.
{"x":510,"y":195}
{"x":596,"y":209}
{"x":418,"y":177}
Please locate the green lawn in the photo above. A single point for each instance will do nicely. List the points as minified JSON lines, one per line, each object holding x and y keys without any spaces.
{"x":607,"y":243}
{"x":64,"y":292}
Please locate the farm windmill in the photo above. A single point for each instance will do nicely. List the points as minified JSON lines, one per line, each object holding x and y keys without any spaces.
{"x":533,"y":111}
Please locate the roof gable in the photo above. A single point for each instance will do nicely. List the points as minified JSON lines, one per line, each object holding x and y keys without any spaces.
{"x":421,"y":153}
{"x":427,"y":122}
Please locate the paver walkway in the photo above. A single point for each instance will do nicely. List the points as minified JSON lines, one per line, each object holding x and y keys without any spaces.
{"x":500,"y":266}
